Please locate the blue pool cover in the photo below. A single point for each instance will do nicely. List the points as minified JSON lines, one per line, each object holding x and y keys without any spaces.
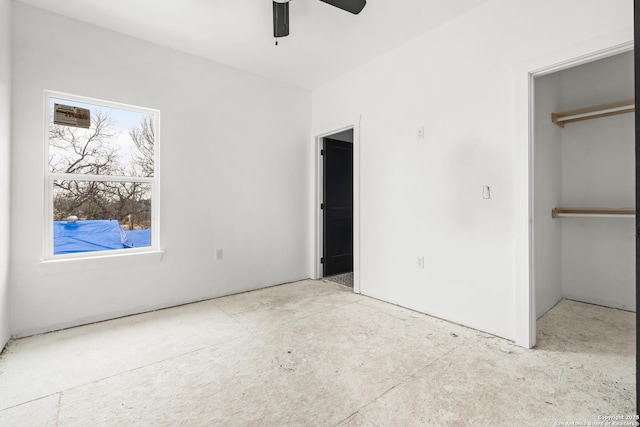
{"x":99,"y":235}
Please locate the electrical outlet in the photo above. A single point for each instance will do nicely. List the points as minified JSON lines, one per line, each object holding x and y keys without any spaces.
{"x":420,"y":262}
{"x":420,"y":133}
{"x":218,"y":254}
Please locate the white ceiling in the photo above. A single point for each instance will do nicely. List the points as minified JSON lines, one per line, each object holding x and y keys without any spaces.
{"x":324,"y":43}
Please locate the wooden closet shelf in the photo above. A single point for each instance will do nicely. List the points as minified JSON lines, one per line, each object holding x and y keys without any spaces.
{"x":603,"y":110}
{"x":593,"y":212}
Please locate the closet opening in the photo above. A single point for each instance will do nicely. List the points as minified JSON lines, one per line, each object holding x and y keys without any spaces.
{"x":583,"y":194}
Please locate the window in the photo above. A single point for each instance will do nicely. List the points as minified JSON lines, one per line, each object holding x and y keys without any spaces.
{"x":102,"y":177}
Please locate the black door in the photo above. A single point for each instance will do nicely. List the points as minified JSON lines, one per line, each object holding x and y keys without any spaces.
{"x":337,"y":207}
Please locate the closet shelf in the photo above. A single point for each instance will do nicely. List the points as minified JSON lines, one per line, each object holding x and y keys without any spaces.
{"x":593,"y":213}
{"x":604,"y":110}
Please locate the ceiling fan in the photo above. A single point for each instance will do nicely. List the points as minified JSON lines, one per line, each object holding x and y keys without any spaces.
{"x":281,"y":13}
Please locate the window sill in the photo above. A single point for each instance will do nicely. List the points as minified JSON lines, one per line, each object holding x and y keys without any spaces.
{"x":101,"y":262}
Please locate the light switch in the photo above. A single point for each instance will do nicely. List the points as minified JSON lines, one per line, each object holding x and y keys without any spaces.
{"x":486,"y":192}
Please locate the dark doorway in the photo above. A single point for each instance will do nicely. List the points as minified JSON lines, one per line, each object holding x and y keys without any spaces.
{"x":337,"y":206}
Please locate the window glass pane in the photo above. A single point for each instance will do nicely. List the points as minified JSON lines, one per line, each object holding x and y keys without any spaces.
{"x":100,"y":215}
{"x":119,"y":142}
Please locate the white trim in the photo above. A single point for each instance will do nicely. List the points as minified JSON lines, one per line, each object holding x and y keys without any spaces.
{"x":583,"y":59}
{"x":110,"y":260}
{"x":319,"y":177}
{"x":317,"y":252}
{"x":102,"y":178}
{"x":603,"y":47}
{"x":101,"y":102}
{"x":49,"y":178}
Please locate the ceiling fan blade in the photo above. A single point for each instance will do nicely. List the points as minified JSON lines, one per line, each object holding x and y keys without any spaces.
{"x":353,"y":6}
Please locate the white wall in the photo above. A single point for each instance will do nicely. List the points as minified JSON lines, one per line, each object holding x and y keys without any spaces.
{"x":424,"y":198}
{"x":233,"y":174}
{"x":547,"y":161}
{"x":598,"y":170}
{"x":5,"y":136}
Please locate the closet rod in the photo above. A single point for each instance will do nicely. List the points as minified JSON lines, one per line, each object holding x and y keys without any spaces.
{"x":593,"y":212}
{"x":603,"y":110}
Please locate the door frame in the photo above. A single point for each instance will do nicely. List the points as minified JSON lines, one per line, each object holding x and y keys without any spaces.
{"x":525,"y":74}
{"x":317,"y":252}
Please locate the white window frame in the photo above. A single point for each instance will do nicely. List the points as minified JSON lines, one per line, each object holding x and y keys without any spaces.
{"x":50,"y":177}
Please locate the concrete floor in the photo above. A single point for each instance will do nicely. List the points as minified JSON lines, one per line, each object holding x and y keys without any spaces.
{"x":314,"y":353}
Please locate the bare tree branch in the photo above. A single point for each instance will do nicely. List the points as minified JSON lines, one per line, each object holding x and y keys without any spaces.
{"x":84,"y":151}
{"x":144,"y":137}
{"x":95,"y":151}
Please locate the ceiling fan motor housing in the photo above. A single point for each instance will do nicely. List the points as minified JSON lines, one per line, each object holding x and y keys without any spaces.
{"x":280,"y":18}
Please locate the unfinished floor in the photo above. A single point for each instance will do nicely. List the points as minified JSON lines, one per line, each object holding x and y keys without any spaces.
{"x":315,"y":353}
